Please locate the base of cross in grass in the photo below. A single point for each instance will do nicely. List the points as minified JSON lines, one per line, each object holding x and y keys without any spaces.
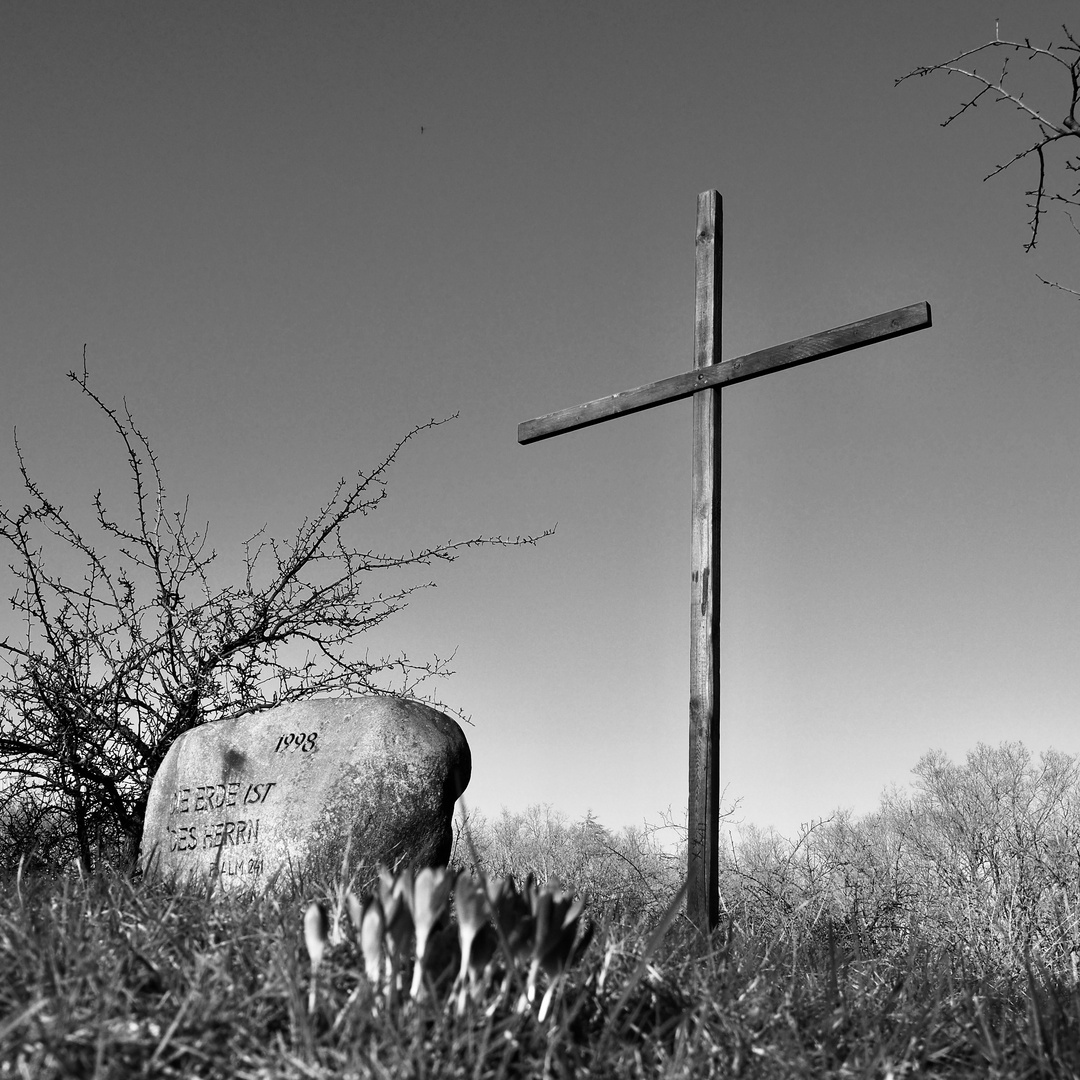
{"x":705,"y":382}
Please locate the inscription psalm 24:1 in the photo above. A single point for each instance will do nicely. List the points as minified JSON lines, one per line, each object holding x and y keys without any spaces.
{"x":230,"y":831}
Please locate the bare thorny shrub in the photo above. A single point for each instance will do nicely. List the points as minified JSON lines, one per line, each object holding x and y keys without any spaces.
{"x":1057,"y":177}
{"x":627,"y":874}
{"x":141,"y":645}
{"x":996,"y":844}
{"x":837,"y":881}
{"x":979,"y":859}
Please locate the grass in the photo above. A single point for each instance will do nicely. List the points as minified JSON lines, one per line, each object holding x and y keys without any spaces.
{"x":106,"y":977}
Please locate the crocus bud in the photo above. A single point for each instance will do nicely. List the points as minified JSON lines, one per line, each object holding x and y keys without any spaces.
{"x":372,"y":932}
{"x":316,"y":931}
{"x":430,"y":901}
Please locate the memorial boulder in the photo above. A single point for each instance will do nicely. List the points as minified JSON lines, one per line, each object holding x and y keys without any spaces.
{"x":257,"y":800}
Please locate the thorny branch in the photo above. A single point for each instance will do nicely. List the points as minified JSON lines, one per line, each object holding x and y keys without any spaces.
{"x":118,"y":658}
{"x":1050,"y":132}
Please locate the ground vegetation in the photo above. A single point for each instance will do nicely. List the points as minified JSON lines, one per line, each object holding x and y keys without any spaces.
{"x":937,"y":936}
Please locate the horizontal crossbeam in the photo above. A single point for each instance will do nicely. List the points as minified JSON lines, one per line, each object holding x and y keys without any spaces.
{"x":891,"y":324}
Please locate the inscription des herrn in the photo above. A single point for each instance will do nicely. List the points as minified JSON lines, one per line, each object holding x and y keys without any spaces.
{"x":252,"y":801}
{"x":205,"y":799}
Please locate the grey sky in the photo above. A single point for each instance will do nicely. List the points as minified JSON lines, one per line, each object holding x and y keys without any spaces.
{"x":234,"y":206}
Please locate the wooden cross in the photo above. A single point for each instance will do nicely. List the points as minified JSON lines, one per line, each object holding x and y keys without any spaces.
{"x":705,"y":382}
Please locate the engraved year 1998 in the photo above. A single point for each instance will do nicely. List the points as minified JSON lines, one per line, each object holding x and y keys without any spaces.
{"x":299,"y":740}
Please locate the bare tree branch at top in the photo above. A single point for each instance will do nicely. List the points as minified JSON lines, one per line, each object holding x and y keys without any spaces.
{"x":998,"y":87}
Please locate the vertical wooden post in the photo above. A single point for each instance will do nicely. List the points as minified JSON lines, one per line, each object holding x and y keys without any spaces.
{"x":703,"y":881}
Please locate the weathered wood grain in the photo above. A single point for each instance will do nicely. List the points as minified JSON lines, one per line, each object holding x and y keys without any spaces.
{"x":703,"y":813}
{"x":803,"y":350}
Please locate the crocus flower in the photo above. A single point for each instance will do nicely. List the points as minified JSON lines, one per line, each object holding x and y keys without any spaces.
{"x":372,"y":932}
{"x":316,"y":930}
{"x":514,"y":922}
{"x":513,"y":914}
{"x":388,"y":886}
{"x":430,"y":897}
{"x":556,"y":927}
{"x":395,"y":895}
{"x":558,"y":914}
{"x":484,"y":947}
{"x":471,"y":906}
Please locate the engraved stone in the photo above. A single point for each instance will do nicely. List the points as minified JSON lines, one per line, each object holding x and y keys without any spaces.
{"x":261,"y":800}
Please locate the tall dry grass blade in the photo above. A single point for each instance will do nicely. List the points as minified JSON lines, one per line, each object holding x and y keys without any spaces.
{"x":170,"y":1031}
{"x":18,"y":882}
{"x":26,"y":1015}
{"x":342,"y":887}
{"x":651,"y":946}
